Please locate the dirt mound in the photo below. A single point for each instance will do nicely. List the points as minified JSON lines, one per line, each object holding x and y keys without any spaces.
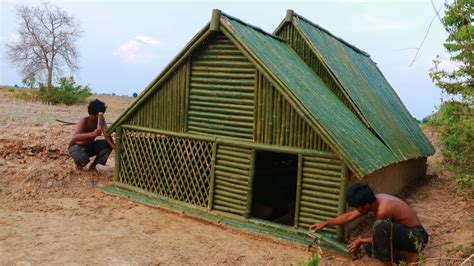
{"x":35,"y":159}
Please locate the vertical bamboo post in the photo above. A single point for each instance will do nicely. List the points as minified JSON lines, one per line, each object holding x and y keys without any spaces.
{"x":215,"y":20}
{"x":187,"y":92}
{"x":213,"y":176}
{"x":118,"y":150}
{"x":298,"y":189}
{"x":342,"y":199}
{"x":248,"y":209}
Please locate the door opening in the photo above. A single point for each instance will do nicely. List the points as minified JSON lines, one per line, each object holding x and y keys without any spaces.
{"x":274,"y":192}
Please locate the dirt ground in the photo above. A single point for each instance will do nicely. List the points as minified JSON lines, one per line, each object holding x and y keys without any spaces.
{"x":50,"y":214}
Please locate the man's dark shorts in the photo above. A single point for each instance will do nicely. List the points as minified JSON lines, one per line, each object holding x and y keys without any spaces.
{"x":411,"y":239}
{"x":81,"y":153}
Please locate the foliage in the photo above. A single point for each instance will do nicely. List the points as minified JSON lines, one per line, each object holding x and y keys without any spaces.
{"x":25,"y":95}
{"x":313,"y":260}
{"x":67,"y":93}
{"x":46,"y":43}
{"x":458,"y":23}
{"x":456,"y":129}
{"x":29,"y":81}
{"x":455,"y":117}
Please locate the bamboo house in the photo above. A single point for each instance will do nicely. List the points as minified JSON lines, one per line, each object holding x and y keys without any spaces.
{"x":265,"y":132}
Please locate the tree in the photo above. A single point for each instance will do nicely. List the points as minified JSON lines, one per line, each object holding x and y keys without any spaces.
{"x":455,"y":116}
{"x":46,"y":44}
{"x":460,"y":44}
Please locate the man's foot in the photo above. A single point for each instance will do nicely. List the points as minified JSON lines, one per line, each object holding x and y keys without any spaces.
{"x":94,"y":170}
{"x":77,"y":167}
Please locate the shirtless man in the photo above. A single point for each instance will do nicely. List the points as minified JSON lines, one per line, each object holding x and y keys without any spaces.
{"x":397,"y":232}
{"x":83,"y":144}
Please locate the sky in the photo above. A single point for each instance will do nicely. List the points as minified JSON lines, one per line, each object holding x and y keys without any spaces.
{"x":126,"y":44}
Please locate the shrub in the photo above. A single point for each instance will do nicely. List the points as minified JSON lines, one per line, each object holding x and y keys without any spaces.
{"x":456,"y":125}
{"x":25,"y":96}
{"x":67,"y":93}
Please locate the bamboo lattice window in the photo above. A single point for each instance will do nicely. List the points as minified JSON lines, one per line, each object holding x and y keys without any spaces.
{"x":173,"y":167}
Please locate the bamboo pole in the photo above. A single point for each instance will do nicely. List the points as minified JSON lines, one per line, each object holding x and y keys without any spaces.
{"x":321,"y":183}
{"x":248,"y":210}
{"x":224,"y":183}
{"x":213,"y":175}
{"x":308,"y":201}
{"x":240,"y":203}
{"x":229,"y":210}
{"x":231,"y":169}
{"x":230,"y":195}
{"x":232,"y":176}
{"x":342,"y":199}
{"x":118,"y":150}
{"x":298,"y":190}
{"x":225,"y":203}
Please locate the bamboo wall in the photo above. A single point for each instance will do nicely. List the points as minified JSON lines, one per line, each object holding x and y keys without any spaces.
{"x":322,"y":191}
{"x":296,"y":41}
{"x":232,"y":172}
{"x":221,"y":97}
{"x":166,"y":108}
{"x":278,"y":123}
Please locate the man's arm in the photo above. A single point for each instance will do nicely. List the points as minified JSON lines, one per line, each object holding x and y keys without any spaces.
{"x":109,"y":139}
{"x":341,"y":219}
{"x":79,"y":136}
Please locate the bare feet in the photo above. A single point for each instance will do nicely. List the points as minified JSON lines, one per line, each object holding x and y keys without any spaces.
{"x":77,"y":167}
{"x":94,"y":170}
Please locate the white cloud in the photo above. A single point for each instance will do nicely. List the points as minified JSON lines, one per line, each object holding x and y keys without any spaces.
{"x":140,"y":49}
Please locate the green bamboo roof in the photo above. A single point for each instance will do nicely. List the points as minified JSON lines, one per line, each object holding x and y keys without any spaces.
{"x":368,"y":89}
{"x":343,"y":130}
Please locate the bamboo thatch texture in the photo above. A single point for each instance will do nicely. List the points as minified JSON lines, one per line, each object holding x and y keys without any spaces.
{"x":221,"y":97}
{"x":368,"y":89}
{"x":165,"y":109}
{"x":278,"y":123}
{"x":299,"y":45}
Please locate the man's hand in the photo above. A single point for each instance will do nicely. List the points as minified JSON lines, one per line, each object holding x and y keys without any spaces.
{"x":359,"y":241}
{"x":318,"y":226}
{"x":97,"y":132}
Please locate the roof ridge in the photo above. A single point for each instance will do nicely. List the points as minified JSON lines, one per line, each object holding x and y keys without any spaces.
{"x":252,"y":26}
{"x":332,"y":35}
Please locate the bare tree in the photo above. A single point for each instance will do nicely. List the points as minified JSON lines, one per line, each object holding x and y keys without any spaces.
{"x":46,"y":43}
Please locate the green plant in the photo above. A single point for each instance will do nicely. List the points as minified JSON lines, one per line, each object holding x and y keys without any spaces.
{"x":419,"y":248}
{"x":68,"y":92}
{"x":313,"y":260}
{"x":23,"y":95}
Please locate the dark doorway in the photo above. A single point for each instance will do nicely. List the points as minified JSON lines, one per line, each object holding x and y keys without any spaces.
{"x":274,"y":191}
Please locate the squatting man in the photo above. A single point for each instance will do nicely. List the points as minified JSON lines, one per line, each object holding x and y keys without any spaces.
{"x":397,"y":233}
{"x":84,"y":145}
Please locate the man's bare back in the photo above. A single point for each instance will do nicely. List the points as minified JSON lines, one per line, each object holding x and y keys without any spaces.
{"x":396,"y":210}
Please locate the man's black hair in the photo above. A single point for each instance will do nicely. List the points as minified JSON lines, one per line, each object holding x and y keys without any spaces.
{"x":359,"y":194}
{"x":96,"y":106}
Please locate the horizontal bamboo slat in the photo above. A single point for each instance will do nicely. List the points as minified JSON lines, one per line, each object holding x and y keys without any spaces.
{"x":233,"y":166}
{"x":320,"y":191}
{"x":222,"y":87}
